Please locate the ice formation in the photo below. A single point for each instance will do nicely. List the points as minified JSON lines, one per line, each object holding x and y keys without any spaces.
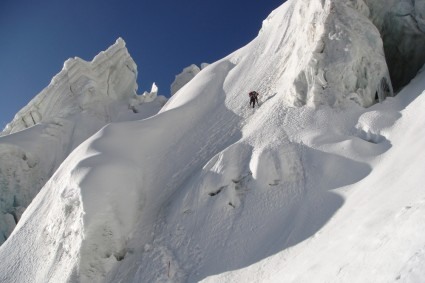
{"x":80,"y":86}
{"x":402,"y":25}
{"x":184,"y":77}
{"x":79,"y":101}
{"x":340,"y":56}
{"x":210,"y":189}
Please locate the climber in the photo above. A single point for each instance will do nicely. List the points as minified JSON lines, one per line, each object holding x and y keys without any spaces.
{"x":253,"y":97}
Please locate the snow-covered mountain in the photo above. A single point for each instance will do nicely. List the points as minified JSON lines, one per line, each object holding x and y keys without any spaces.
{"x":310,"y":186}
{"x":80,"y":100}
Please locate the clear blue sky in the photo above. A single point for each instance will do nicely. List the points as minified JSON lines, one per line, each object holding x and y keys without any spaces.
{"x":163,"y":37}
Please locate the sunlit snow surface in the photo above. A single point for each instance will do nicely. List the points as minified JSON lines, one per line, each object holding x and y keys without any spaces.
{"x":80,"y":100}
{"x":307,"y":187}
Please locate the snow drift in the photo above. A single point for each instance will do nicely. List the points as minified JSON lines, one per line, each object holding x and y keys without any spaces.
{"x":210,"y":189}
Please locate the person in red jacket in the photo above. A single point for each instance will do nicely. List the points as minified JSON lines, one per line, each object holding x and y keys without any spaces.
{"x":253,"y":97}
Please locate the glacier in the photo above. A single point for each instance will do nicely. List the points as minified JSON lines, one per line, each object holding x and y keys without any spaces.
{"x":402,"y":26}
{"x":322,"y":182}
{"x":80,"y":100}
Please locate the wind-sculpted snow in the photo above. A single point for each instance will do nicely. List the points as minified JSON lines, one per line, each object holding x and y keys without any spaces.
{"x":377,"y":234}
{"x":79,"y":101}
{"x":304,"y":187}
{"x":100,"y":171}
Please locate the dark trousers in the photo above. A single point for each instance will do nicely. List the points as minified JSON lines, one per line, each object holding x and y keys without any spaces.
{"x":252,"y":101}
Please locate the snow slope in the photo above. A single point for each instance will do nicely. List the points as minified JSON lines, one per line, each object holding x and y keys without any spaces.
{"x":79,"y":101}
{"x":377,"y":233}
{"x":310,"y":186}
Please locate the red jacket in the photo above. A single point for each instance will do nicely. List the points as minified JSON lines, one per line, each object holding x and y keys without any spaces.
{"x":253,"y":94}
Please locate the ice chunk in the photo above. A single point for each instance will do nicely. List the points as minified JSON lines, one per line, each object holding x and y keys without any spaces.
{"x":184,"y":77}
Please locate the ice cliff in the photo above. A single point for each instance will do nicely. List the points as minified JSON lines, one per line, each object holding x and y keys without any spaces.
{"x":335,"y":55}
{"x":402,"y":27}
{"x":79,"y":101}
{"x":83,"y":87}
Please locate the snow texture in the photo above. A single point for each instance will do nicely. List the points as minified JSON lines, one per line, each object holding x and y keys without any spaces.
{"x":80,"y":100}
{"x":310,"y":186}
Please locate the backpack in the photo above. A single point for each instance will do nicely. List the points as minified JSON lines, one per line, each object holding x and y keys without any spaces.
{"x":253,"y":94}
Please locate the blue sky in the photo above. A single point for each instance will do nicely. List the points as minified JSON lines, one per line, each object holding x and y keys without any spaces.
{"x":163,"y":37}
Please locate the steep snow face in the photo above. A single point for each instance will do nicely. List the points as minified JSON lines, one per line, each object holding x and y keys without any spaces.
{"x":80,"y":100}
{"x":402,"y":25}
{"x":377,"y":233}
{"x":328,"y":53}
